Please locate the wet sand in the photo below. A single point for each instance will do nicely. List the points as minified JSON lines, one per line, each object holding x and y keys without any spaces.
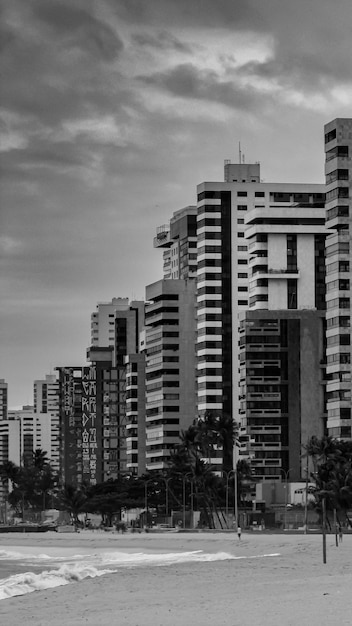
{"x":294,"y":588}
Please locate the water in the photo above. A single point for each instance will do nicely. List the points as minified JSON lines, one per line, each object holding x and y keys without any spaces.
{"x":24,"y":570}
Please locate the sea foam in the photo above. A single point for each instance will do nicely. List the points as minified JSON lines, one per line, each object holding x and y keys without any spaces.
{"x":20,"y":584}
{"x":78,"y":567}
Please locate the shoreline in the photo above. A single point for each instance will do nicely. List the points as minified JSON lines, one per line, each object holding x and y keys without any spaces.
{"x":294,"y":587}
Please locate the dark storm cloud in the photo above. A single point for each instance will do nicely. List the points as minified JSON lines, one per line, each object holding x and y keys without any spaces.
{"x":187,"y":81}
{"x":94,"y":159}
{"x":57,"y":83}
{"x":78,"y":26}
{"x":311,"y":39}
{"x":243,"y":14}
{"x":162,"y":41}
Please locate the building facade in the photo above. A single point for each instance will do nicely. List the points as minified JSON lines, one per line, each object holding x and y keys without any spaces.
{"x":170,"y":367}
{"x":225,"y":263}
{"x":338,"y":172}
{"x":178,"y":240}
{"x":282,"y":394}
{"x":46,"y":395}
{"x":3,"y":399}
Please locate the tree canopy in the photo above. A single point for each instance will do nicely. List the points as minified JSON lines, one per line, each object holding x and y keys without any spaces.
{"x":332,"y":474}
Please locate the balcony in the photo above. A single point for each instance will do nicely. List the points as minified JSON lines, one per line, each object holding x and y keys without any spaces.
{"x":283,"y":273}
{"x":162,"y":238}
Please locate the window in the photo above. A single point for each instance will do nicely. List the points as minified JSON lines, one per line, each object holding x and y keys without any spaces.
{"x":240,"y":234}
{"x":242,"y":275}
{"x":338,"y":151}
{"x":292,"y":293}
{"x":291,"y":252}
{"x":208,"y":195}
{"x":337,"y":211}
{"x":262,"y":297}
{"x":242,"y":262}
{"x":242,"y":194}
{"x":340,"y":174}
{"x":259,"y":194}
{"x":330,"y":136}
{"x":280,"y":197}
{"x":338,"y":192}
{"x":240,"y":220}
{"x":241,"y":207}
{"x":242,"y":248}
{"x":301,"y":197}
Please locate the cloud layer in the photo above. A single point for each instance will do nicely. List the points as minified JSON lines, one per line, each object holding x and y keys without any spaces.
{"x":111,"y":114}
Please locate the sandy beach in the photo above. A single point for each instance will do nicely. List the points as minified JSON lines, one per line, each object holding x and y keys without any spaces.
{"x":294,"y":587}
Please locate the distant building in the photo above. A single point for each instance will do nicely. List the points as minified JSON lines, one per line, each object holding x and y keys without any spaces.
{"x":3,"y":399}
{"x":10,"y":450}
{"x":117,"y":324}
{"x":282,"y":394}
{"x":170,"y":367}
{"x":338,"y":170}
{"x":47,"y":400}
{"x":178,"y":239}
{"x":102,"y":411}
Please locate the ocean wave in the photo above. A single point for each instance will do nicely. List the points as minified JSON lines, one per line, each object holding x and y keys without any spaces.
{"x":20,"y":584}
{"x":11,"y":555}
{"x":101,"y":563}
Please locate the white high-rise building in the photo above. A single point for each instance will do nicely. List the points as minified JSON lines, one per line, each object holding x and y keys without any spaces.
{"x":47,"y":401}
{"x":35,"y":432}
{"x":224,"y":268}
{"x":338,"y":171}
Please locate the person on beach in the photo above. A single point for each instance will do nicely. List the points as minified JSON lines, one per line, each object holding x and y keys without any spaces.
{"x":239,"y":531}
{"x":340,"y":533}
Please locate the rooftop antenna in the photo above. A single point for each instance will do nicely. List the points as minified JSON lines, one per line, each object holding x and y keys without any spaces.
{"x":239,"y":152}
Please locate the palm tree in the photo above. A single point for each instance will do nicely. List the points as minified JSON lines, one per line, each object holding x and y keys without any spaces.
{"x":332,"y":460}
{"x":72,"y":500}
{"x":40,"y":459}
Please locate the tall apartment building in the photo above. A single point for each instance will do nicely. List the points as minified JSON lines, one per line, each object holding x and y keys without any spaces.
{"x":282,"y":401}
{"x":3,"y":399}
{"x":170,"y":367}
{"x":178,"y":240}
{"x":223,"y":269}
{"x":282,"y":350}
{"x":93,"y":419}
{"x":46,"y":394}
{"x":135,"y":413}
{"x":35,"y":432}
{"x":338,"y":171}
{"x":102,"y":410}
{"x":286,"y":247}
{"x":118,"y":324}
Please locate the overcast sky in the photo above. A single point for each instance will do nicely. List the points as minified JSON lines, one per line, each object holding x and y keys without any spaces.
{"x":112,"y":111}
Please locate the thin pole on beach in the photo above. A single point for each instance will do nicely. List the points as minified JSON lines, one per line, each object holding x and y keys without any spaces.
{"x":306,"y":498}
{"x":324,"y":528}
{"x":184,"y":501}
{"x":335,"y":526}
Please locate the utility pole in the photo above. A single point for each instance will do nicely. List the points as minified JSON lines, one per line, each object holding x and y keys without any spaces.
{"x":306,"y":499}
{"x":235,"y":482}
{"x":324,"y":527}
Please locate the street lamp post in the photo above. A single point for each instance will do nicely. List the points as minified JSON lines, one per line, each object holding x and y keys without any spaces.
{"x":190,"y":478}
{"x":286,"y":474}
{"x":166,"y":481}
{"x":146,"y":483}
{"x":234,"y":463}
{"x":228,"y":475}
